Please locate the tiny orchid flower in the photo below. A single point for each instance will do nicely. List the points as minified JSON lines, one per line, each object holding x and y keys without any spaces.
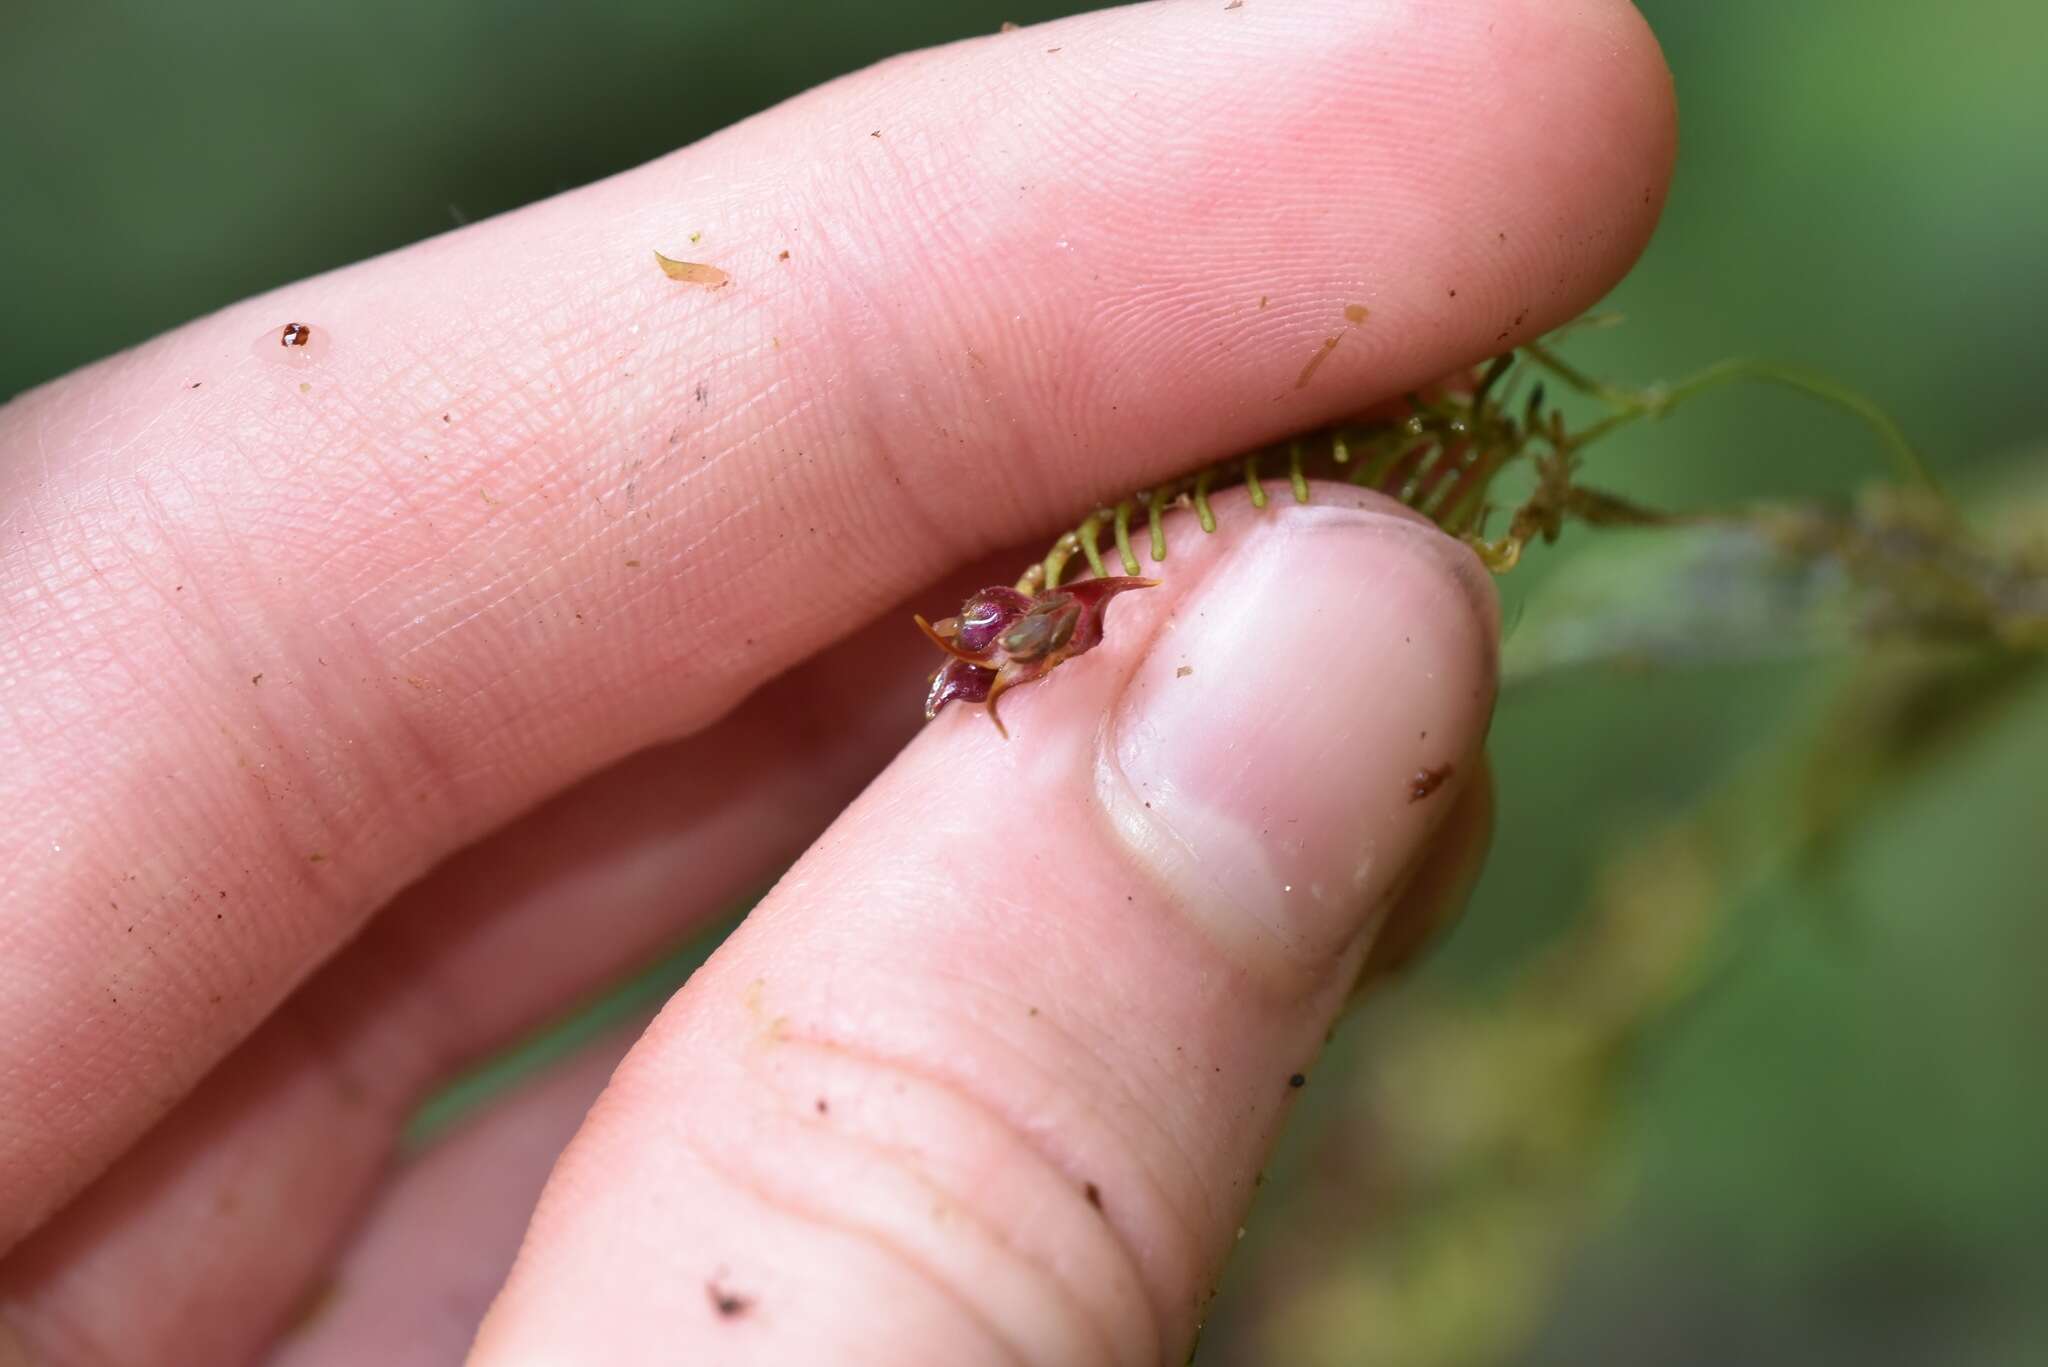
{"x":1002,"y":637}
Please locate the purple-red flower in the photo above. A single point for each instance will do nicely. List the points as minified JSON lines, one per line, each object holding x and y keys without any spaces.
{"x":1002,"y":637}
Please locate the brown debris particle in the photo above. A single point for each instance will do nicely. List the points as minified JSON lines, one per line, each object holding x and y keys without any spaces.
{"x":1355,"y":313}
{"x":255,"y":679}
{"x":782,"y":255}
{"x":691,"y":272}
{"x":1298,"y":1080}
{"x":1427,"y":781}
{"x":1315,"y":362}
{"x":729,"y":1304}
{"x":316,"y":859}
{"x":1183,"y":671}
{"x":295,"y":334}
{"x":1234,"y":4}
{"x":824,"y":1108}
{"x":1094,"y":1194}
{"x":632,"y":564}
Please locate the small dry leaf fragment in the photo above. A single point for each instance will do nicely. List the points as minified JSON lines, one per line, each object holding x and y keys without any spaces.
{"x":691,"y":272}
{"x":1183,"y":671}
{"x":1355,"y":313}
{"x":1234,"y":4}
{"x":1315,"y":362}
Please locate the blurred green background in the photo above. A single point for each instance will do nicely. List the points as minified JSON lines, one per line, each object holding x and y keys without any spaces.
{"x":1836,"y":1154}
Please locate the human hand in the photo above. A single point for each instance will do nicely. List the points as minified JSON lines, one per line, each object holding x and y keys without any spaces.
{"x":322,"y":672}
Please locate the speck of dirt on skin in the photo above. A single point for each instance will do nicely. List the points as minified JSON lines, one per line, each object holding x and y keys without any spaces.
{"x":1263,"y":301}
{"x":1183,"y":671}
{"x":1315,"y":362}
{"x":728,"y":1304}
{"x":1033,"y":1011}
{"x":444,"y":417}
{"x":1234,"y":4}
{"x":1009,"y":26}
{"x":195,"y":384}
{"x":782,"y":256}
{"x":632,"y":564}
{"x":1297,"y":1080}
{"x":823,"y":1108}
{"x":696,"y":238}
{"x":316,"y":859}
{"x":1094,"y":1194}
{"x":691,"y":272}
{"x":1454,"y":294}
{"x":876,"y":134}
{"x":305,"y":387}
{"x":254,"y":680}
{"x":1355,"y":313}
{"x":1427,"y":781}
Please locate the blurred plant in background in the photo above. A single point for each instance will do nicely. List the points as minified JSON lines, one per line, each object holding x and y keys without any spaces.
{"x":1735,"y":1057}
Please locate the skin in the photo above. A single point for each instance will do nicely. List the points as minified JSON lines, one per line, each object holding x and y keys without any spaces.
{"x":342,"y":743}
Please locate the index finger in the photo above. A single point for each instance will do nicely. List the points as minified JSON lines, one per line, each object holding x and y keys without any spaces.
{"x":286,"y":627}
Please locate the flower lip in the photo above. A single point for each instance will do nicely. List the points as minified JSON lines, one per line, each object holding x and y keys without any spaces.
{"x":957,"y":681}
{"x":985,"y":616}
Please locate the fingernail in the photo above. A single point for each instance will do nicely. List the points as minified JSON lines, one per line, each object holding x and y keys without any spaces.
{"x":1300,"y":726}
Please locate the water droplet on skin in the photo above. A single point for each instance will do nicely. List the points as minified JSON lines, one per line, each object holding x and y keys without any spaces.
{"x":294,"y":343}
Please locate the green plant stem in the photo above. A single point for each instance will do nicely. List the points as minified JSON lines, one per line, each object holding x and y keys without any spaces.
{"x":1631,"y":405}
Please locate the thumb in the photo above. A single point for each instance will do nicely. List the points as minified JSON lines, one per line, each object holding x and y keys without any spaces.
{"x":989,"y":1075}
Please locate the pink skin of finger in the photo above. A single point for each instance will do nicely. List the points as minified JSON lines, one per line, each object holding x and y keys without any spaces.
{"x":1000,"y":1057}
